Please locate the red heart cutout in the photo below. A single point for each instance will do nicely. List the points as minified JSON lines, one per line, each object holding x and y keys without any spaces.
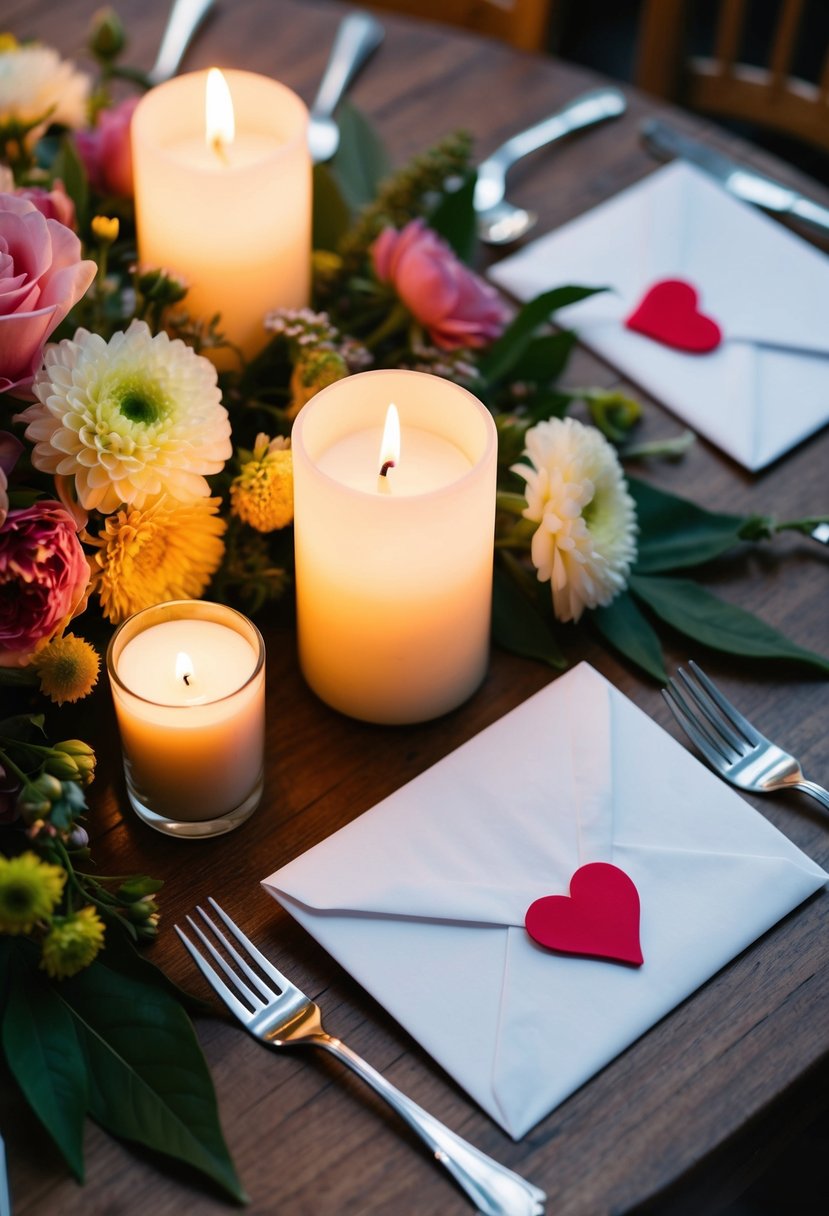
{"x":599,"y":918}
{"x":669,"y":313}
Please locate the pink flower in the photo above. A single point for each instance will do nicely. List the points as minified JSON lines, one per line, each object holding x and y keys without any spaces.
{"x":41,"y":278}
{"x":43,"y":577}
{"x":456,"y":306}
{"x":54,"y":204}
{"x":106,"y":150}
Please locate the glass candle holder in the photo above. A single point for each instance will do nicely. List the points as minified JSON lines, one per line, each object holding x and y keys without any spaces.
{"x":188,"y":685}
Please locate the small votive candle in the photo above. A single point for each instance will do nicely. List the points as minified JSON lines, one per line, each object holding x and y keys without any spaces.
{"x":188,"y":685}
{"x":394,"y":551}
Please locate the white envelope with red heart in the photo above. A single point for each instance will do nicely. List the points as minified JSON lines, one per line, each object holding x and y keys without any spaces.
{"x":423,"y":898}
{"x":766,"y":386}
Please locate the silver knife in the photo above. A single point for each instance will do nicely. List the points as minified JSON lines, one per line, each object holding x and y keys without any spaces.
{"x":753,"y":187}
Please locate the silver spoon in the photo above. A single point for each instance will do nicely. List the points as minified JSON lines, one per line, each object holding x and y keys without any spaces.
{"x":357,"y":37}
{"x":499,"y":222}
{"x":185,"y":18}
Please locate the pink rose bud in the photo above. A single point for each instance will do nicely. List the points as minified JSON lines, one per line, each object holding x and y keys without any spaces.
{"x":456,"y":306}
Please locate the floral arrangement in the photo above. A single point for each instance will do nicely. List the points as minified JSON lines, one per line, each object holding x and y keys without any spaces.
{"x":132,"y":473}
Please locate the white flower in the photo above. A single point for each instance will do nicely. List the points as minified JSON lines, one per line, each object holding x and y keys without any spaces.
{"x":585,"y":542}
{"x":128,"y":419}
{"x":36,"y":84}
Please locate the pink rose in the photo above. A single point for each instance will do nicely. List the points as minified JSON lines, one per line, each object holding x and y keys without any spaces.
{"x":457,"y":307}
{"x":54,"y":204}
{"x":41,"y":278}
{"x":106,"y":150}
{"x":43,"y":577}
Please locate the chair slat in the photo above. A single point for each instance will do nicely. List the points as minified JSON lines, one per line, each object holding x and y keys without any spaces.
{"x":783,"y":46}
{"x":729,"y":34}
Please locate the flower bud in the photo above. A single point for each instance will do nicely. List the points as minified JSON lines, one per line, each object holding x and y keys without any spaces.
{"x":142,"y":910}
{"x":161,"y":286}
{"x":81,"y":755}
{"x":107,"y":37}
{"x":62,"y":767}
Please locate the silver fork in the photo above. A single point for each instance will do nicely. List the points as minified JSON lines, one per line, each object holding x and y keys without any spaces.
{"x":286,"y":1017}
{"x":729,"y":742}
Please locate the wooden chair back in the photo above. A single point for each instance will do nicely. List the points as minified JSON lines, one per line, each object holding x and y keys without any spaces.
{"x":720,"y":83}
{"x":521,"y":23}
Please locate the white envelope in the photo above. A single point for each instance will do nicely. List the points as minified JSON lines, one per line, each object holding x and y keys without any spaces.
{"x":766,"y":387}
{"x":422,"y":899}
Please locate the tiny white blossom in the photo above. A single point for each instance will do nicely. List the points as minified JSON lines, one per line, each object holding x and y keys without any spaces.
{"x":585,"y":542}
{"x":36,"y":84}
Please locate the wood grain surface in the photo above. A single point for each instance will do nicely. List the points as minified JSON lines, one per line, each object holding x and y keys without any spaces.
{"x":680,"y":1119}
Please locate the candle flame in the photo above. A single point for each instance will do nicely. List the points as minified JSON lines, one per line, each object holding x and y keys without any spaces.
{"x":390,"y":443}
{"x":219,"y":122}
{"x":184,"y":667}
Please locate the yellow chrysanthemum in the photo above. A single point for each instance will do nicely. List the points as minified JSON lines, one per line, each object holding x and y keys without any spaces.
{"x":67,"y":668}
{"x":263,"y":493}
{"x":72,"y":943}
{"x":167,"y":550}
{"x":29,"y":891}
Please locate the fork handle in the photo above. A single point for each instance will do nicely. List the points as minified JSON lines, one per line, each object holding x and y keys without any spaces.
{"x":816,"y":791}
{"x":496,"y":1190}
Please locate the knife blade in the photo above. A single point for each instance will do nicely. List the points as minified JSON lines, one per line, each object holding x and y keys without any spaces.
{"x":747,"y":184}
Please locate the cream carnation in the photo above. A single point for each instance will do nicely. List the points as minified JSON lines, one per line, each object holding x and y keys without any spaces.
{"x":585,"y":542}
{"x":129,"y":419}
{"x":37,"y":86}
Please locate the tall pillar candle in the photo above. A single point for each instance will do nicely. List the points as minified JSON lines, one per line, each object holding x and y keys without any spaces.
{"x":394,"y":573}
{"x":227,"y":210}
{"x":188,"y":684}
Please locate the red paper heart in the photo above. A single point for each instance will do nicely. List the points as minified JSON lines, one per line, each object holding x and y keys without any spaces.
{"x":669,"y":313}
{"x":599,"y":918}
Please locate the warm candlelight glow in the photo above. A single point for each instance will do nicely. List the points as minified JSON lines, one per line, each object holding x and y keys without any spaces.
{"x":184,"y":667}
{"x":390,"y":443}
{"x":219,"y":123}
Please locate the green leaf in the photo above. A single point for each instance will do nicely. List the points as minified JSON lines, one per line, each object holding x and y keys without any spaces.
{"x":628,"y":631}
{"x":44,"y":1055}
{"x":148,"y":1078}
{"x":331,"y":216}
{"x":454,"y":219}
{"x":69,"y":167}
{"x":361,"y":161}
{"x":504,"y":354}
{"x":120,"y":954}
{"x":22,"y":726}
{"x":545,"y":357}
{"x":675,"y":533}
{"x":698,"y":614}
{"x":519,"y":626}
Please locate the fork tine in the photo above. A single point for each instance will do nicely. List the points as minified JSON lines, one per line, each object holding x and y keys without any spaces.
{"x":731,"y":712}
{"x":695,"y":732}
{"x":720,"y":727}
{"x":233,"y":976}
{"x":213,"y":978}
{"x":265,"y":963}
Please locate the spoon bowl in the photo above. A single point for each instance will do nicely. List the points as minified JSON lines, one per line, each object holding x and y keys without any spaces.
{"x":357,"y":38}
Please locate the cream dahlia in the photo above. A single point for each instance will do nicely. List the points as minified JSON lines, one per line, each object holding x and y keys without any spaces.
{"x":129,"y":419}
{"x":37,"y":86}
{"x":585,"y":542}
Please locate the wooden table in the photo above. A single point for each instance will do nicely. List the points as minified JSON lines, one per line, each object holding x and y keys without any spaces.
{"x":675,"y":1121}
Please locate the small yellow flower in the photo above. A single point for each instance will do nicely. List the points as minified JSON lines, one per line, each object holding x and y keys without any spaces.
{"x":72,"y":943}
{"x":167,"y":550}
{"x":29,"y":891}
{"x":263,"y":493}
{"x":8,"y":43}
{"x":315,"y":370}
{"x":67,"y":668}
{"x":105,"y":229}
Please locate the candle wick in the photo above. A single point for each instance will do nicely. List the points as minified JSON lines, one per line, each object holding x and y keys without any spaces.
{"x":218,"y":145}
{"x":387,"y":464}
{"x":186,"y":679}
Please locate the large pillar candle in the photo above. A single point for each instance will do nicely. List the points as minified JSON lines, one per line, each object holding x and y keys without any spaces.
{"x":228,"y":209}
{"x":188,"y":683}
{"x":394,"y":571}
